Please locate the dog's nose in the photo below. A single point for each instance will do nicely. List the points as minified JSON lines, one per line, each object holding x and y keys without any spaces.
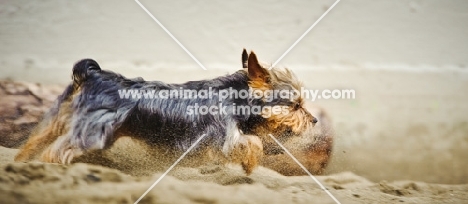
{"x":314,"y":120}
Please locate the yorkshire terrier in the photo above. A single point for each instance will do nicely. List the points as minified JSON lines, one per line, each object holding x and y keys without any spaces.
{"x":244,"y":107}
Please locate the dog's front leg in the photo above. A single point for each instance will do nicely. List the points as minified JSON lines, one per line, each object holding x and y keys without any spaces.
{"x":242,"y":149}
{"x":247,"y":152}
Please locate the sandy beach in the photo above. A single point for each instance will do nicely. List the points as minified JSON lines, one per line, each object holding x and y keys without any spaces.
{"x":402,"y":139}
{"x":85,"y":183}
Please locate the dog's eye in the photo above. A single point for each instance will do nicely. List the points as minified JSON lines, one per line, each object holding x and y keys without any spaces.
{"x":297,"y":106}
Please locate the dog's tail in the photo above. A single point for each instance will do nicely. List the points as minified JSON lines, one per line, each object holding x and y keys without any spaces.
{"x":83,"y":69}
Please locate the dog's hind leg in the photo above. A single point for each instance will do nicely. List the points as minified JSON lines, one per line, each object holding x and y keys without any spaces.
{"x":61,"y":151}
{"x":58,"y":121}
{"x":90,"y":130}
{"x":87,"y":135}
{"x":36,"y":144}
{"x":54,"y":124}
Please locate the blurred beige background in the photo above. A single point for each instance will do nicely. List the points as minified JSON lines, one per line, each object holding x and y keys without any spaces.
{"x":407,"y":61}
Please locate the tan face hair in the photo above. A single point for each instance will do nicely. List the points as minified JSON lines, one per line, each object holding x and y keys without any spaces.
{"x":296,"y":118}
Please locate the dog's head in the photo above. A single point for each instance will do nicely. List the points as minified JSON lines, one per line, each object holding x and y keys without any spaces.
{"x":278,"y":92}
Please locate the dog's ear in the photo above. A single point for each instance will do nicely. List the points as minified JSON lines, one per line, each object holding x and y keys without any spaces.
{"x":245,"y":57}
{"x":256,"y":71}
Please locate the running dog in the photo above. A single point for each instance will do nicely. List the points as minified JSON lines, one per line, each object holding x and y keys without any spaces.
{"x":234,"y":113}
